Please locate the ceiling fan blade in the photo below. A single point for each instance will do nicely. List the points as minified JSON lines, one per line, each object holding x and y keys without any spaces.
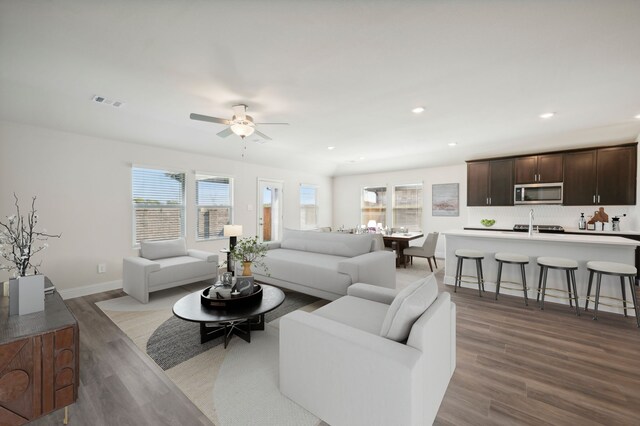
{"x":226,"y":132}
{"x":240,"y":111}
{"x":282,"y":124}
{"x":262,"y":135}
{"x":201,"y":117}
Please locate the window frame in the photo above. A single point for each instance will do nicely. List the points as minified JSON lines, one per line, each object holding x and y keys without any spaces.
{"x":198,"y":206}
{"x":420,"y":225}
{"x":134,"y":206}
{"x":315,"y":204}
{"x":386,"y":203}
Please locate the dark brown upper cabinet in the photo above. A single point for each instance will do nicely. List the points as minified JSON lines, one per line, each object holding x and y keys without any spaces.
{"x":490,"y":183}
{"x":546,"y":168}
{"x":605,"y":176}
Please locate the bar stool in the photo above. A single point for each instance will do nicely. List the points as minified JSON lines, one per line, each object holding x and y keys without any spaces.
{"x":462,"y":254}
{"x":616,"y":269}
{"x":514,"y":259}
{"x":567,"y":265}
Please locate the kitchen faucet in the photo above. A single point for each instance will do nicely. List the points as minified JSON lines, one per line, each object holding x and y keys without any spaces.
{"x":530,"y":222}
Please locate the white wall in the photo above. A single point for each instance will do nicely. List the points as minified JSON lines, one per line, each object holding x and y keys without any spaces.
{"x":83,"y":185}
{"x":347,"y":189}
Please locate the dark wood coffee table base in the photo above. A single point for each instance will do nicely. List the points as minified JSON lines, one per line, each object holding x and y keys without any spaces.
{"x":227,"y":323}
{"x":241,"y":328}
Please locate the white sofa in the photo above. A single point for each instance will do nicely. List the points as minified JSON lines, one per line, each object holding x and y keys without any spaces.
{"x":336,"y":363}
{"x":325,"y":264}
{"x":165,"y":264}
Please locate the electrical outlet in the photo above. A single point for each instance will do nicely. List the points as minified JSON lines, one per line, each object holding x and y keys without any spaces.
{"x":102,"y":268}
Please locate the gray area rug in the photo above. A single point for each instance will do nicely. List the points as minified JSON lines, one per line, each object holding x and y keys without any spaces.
{"x":176,"y":340}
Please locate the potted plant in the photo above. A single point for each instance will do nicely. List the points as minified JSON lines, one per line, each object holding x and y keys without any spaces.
{"x":249,"y":251}
{"x":19,"y":242}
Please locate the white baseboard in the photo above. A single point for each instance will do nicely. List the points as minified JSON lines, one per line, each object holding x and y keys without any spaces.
{"x":72,"y":293}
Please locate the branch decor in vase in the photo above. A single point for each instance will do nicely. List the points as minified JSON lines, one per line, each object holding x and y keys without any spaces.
{"x":19,"y":242}
{"x":250,"y":252}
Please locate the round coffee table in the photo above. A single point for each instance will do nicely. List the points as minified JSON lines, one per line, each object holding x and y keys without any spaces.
{"x":220,"y":322}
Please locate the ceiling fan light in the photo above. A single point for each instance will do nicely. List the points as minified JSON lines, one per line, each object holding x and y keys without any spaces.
{"x":243,"y":128}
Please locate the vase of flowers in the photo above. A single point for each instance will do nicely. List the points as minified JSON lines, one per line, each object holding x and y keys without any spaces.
{"x":250,"y":252}
{"x":19,"y":242}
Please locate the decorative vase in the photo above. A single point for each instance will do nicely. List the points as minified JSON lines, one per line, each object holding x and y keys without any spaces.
{"x":26,"y":295}
{"x":246,"y":269}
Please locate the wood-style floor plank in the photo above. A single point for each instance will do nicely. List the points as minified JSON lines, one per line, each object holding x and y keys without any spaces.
{"x":517,"y":365}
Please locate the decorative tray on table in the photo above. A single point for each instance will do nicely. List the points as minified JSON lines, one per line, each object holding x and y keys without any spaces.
{"x":232,"y":302}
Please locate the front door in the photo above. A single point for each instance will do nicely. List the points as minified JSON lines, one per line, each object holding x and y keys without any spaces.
{"x":269,"y":210}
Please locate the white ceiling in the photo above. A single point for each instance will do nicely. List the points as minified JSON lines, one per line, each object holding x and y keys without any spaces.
{"x":342,"y":73}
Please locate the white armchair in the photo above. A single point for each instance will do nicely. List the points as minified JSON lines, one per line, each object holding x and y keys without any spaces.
{"x":335,"y":363}
{"x":165,"y":264}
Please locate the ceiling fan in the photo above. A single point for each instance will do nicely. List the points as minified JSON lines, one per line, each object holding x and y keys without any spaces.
{"x":240,"y":124}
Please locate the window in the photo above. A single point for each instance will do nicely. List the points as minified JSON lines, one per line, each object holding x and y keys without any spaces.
{"x":407,"y":206}
{"x":374,"y":205}
{"x":158,"y":204}
{"x":214,"y":205}
{"x":308,"y":206}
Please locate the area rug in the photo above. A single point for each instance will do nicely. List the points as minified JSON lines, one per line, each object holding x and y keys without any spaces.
{"x":233,"y":386}
{"x":236,"y":386}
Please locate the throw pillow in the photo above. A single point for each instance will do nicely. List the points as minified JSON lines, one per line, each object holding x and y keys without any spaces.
{"x":153,"y":250}
{"x":407,"y":307}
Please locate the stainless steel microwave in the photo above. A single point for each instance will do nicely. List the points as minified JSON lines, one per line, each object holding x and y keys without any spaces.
{"x":538,"y":193}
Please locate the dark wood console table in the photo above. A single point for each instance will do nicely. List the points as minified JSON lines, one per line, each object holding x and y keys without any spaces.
{"x":39,"y":361}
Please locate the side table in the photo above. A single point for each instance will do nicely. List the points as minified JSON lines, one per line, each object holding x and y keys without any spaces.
{"x":39,"y":361}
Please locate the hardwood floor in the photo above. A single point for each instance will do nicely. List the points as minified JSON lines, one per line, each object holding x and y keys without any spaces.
{"x":517,"y":365}
{"x":119,"y":384}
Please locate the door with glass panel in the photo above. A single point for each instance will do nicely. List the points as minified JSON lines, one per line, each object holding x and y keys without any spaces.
{"x":270,"y":197}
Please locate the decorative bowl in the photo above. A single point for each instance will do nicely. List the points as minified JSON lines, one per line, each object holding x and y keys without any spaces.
{"x":488,"y":222}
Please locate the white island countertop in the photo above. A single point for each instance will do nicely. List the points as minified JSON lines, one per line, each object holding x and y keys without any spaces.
{"x":542,"y":237}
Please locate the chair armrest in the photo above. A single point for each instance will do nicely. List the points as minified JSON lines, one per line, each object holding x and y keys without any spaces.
{"x":376,"y":267}
{"x":135,"y":273}
{"x":204,"y":255}
{"x":271,"y":245}
{"x":372,"y":292}
{"x":352,"y":372}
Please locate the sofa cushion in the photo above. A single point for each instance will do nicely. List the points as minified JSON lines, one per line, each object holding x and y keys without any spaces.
{"x":346,"y":245}
{"x":407,"y":307}
{"x":153,"y":250}
{"x":313,"y":270}
{"x":175,"y":269}
{"x":363,"y":314}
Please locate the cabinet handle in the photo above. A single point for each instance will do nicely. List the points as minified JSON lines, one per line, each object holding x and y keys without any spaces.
{"x":594,"y":199}
{"x":487,"y":201}
{"x":598,"y":198}
{"x":538,"y":177}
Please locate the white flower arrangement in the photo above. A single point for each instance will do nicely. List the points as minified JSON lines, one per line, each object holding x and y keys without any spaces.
{"x":19,"y":241}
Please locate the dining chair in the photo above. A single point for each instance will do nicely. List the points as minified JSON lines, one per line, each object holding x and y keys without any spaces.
{"x":428,"y":250}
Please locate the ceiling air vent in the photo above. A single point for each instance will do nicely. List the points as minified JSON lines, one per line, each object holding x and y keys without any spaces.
{"x":105,"y":101}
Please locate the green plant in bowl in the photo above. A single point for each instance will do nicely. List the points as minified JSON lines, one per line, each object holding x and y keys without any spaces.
{"x":488,"y":222}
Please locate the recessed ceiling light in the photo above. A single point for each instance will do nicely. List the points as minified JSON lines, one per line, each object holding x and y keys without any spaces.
{"x":331,"y":148}
{"x":417,"y":110}
{"x":362,"y":158}
{"x":547,"y":115}
{"x":452,"y":144}
{"x":638,"y":116}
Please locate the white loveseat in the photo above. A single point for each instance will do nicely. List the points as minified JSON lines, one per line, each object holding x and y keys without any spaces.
{"x":325,"y":264}
{"x":165,"y":264}
{"x":336,"y":363}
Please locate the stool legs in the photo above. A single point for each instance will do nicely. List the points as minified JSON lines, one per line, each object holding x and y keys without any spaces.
{"x":595,"y":310}
{"x":539,"y":285}
{"x":543,"y":274}
{"x":586,"y":304}
{"x":624,"y":296}
{"x":524,"y":286}
{"x":636,"y":308}
{"x":575,"y":291}
{"x":480,"y":277}
{"x":569,"y":291}
{"x":458,"y":275}
{"x":498,"y":279}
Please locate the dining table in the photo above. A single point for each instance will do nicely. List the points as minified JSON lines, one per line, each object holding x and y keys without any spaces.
{"x":400,"y":241}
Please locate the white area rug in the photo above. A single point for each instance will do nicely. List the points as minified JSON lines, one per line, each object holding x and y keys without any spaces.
{"x":233,"y":387}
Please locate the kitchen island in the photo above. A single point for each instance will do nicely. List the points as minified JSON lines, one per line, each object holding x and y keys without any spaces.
{"x":581,"y":248}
